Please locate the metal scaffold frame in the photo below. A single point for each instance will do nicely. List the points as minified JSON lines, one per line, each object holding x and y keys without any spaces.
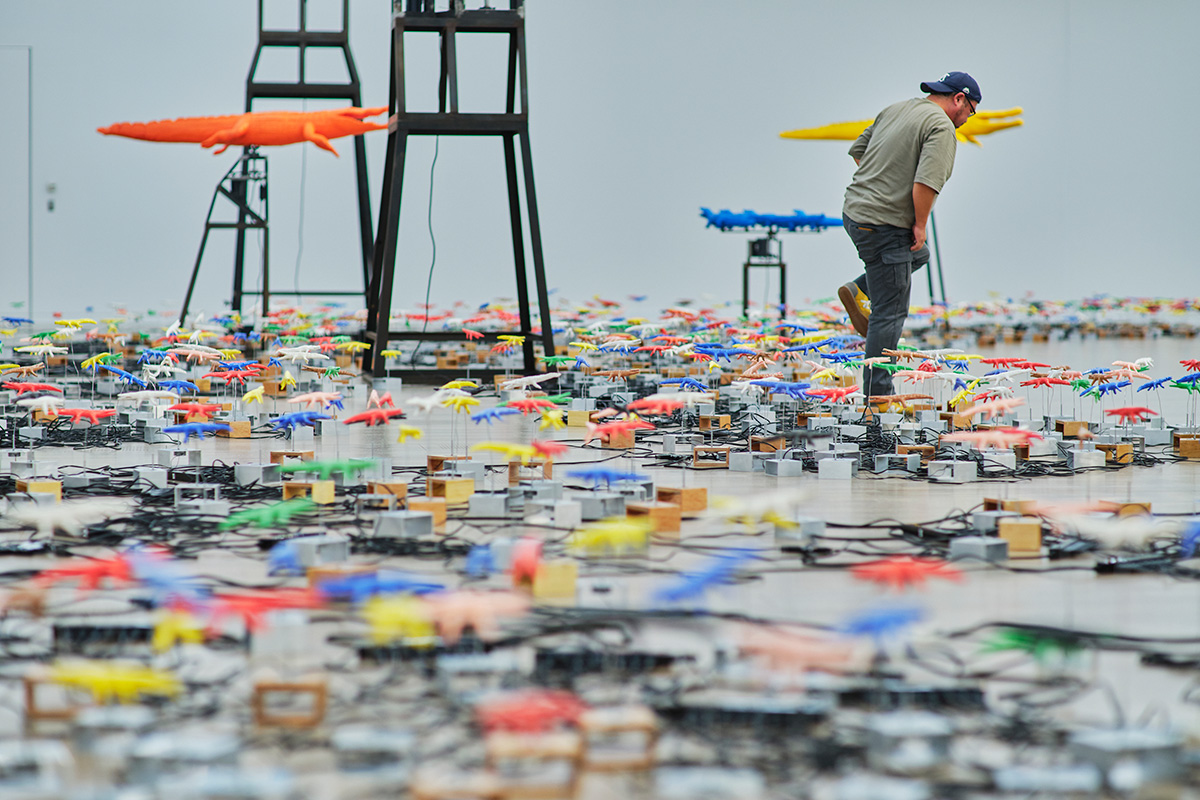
{"x":512,"y":127}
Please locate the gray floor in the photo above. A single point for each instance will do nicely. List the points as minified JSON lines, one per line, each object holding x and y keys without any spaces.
{"x":1143,"y":605}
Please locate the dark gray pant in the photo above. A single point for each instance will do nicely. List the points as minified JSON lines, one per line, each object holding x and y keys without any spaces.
{"x":887,"y":281}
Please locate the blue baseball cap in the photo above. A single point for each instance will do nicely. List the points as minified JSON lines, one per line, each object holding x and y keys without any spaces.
{"x":953,"y":83}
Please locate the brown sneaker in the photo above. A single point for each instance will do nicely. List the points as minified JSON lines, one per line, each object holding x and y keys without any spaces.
{"x":857,"y":304}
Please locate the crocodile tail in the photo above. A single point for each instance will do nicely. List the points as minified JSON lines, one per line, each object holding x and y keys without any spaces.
{"x":184,"y":129}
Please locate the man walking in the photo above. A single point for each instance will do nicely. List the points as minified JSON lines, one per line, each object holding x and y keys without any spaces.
{"x":904,"y":159}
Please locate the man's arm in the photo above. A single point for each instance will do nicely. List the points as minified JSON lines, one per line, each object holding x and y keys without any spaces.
{"x":923,"y":197}
{"x":859,"y":148}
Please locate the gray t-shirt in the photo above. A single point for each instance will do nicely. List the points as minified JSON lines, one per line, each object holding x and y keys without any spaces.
{"x":909,"y":142}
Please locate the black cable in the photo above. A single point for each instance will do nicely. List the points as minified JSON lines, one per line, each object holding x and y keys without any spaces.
{"x":437,"y":140}
{"x":300,"y":226}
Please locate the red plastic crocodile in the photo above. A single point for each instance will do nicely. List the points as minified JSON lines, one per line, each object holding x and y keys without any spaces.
{"x":255,"y":128}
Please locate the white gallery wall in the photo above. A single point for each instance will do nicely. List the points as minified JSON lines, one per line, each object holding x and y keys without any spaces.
{"x":641,"y":112}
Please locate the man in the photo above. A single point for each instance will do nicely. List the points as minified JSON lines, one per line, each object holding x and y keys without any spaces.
{"x":904,"y":159}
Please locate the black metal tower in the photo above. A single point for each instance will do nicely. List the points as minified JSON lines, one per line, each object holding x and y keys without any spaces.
{"x":244,"y":185}
{"x":765,"y":253}
{"x":421,"y":16}
{"x":300,"y":40}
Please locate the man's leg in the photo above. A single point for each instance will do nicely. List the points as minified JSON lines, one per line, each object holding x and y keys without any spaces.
{"x":890,"y":282}
{"x":857,"y":304}
{"x":920,"y":259}
{"x":853,"y":295}
{"x":889,"y":265}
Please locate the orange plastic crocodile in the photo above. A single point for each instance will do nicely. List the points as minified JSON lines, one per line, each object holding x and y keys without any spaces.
{"x":255,"y":128}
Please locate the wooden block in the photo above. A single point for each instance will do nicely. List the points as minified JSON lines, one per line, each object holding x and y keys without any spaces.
{"x":708,"y":422}
{"x":999,"y":504}
{"x":438,"y":463}
{"x":324,"y":493}
{"x":619,"y":440}
{"x":1120,"y":453}
{"x":434,"y":505}
{"x":332,"y":572}
{"x":1070,"y":428}
{"x":766,"y":444}
{"x":279,"y":456}
{"x":454,"y":491}
{"x":203,"y":385}
{"x":316,"y":688}
{"x":238,"y":429}
{"x":527,"y":760}
{"x":1188,"y":448}
{"x":955,"y":421}
{"x":518,"y":472}
{"x":618,"y":723}
{"x":699,"y":460}
{"x":56,"y":361}
{"x":448,"y":362}
{"x":35,"y":713}
{"x":579,"y":419}
{"x":555,"y":580}
{"x":1023,"y":534}
{"x":689,"y":499}
{"x":665,"y":517}
{"x":41,"y":486}
{"x":31,"y":602}
{"x":926,"y":450}
{"x":1127,"y":509}
{"x":396,"y":489}
{"x":294,"y":489}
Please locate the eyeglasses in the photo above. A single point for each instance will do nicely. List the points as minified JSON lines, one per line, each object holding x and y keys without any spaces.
{"x":971,"y":106}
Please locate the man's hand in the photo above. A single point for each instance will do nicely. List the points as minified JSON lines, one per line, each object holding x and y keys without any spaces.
{"x":923,"y":197}
{"x":918,"y":237}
